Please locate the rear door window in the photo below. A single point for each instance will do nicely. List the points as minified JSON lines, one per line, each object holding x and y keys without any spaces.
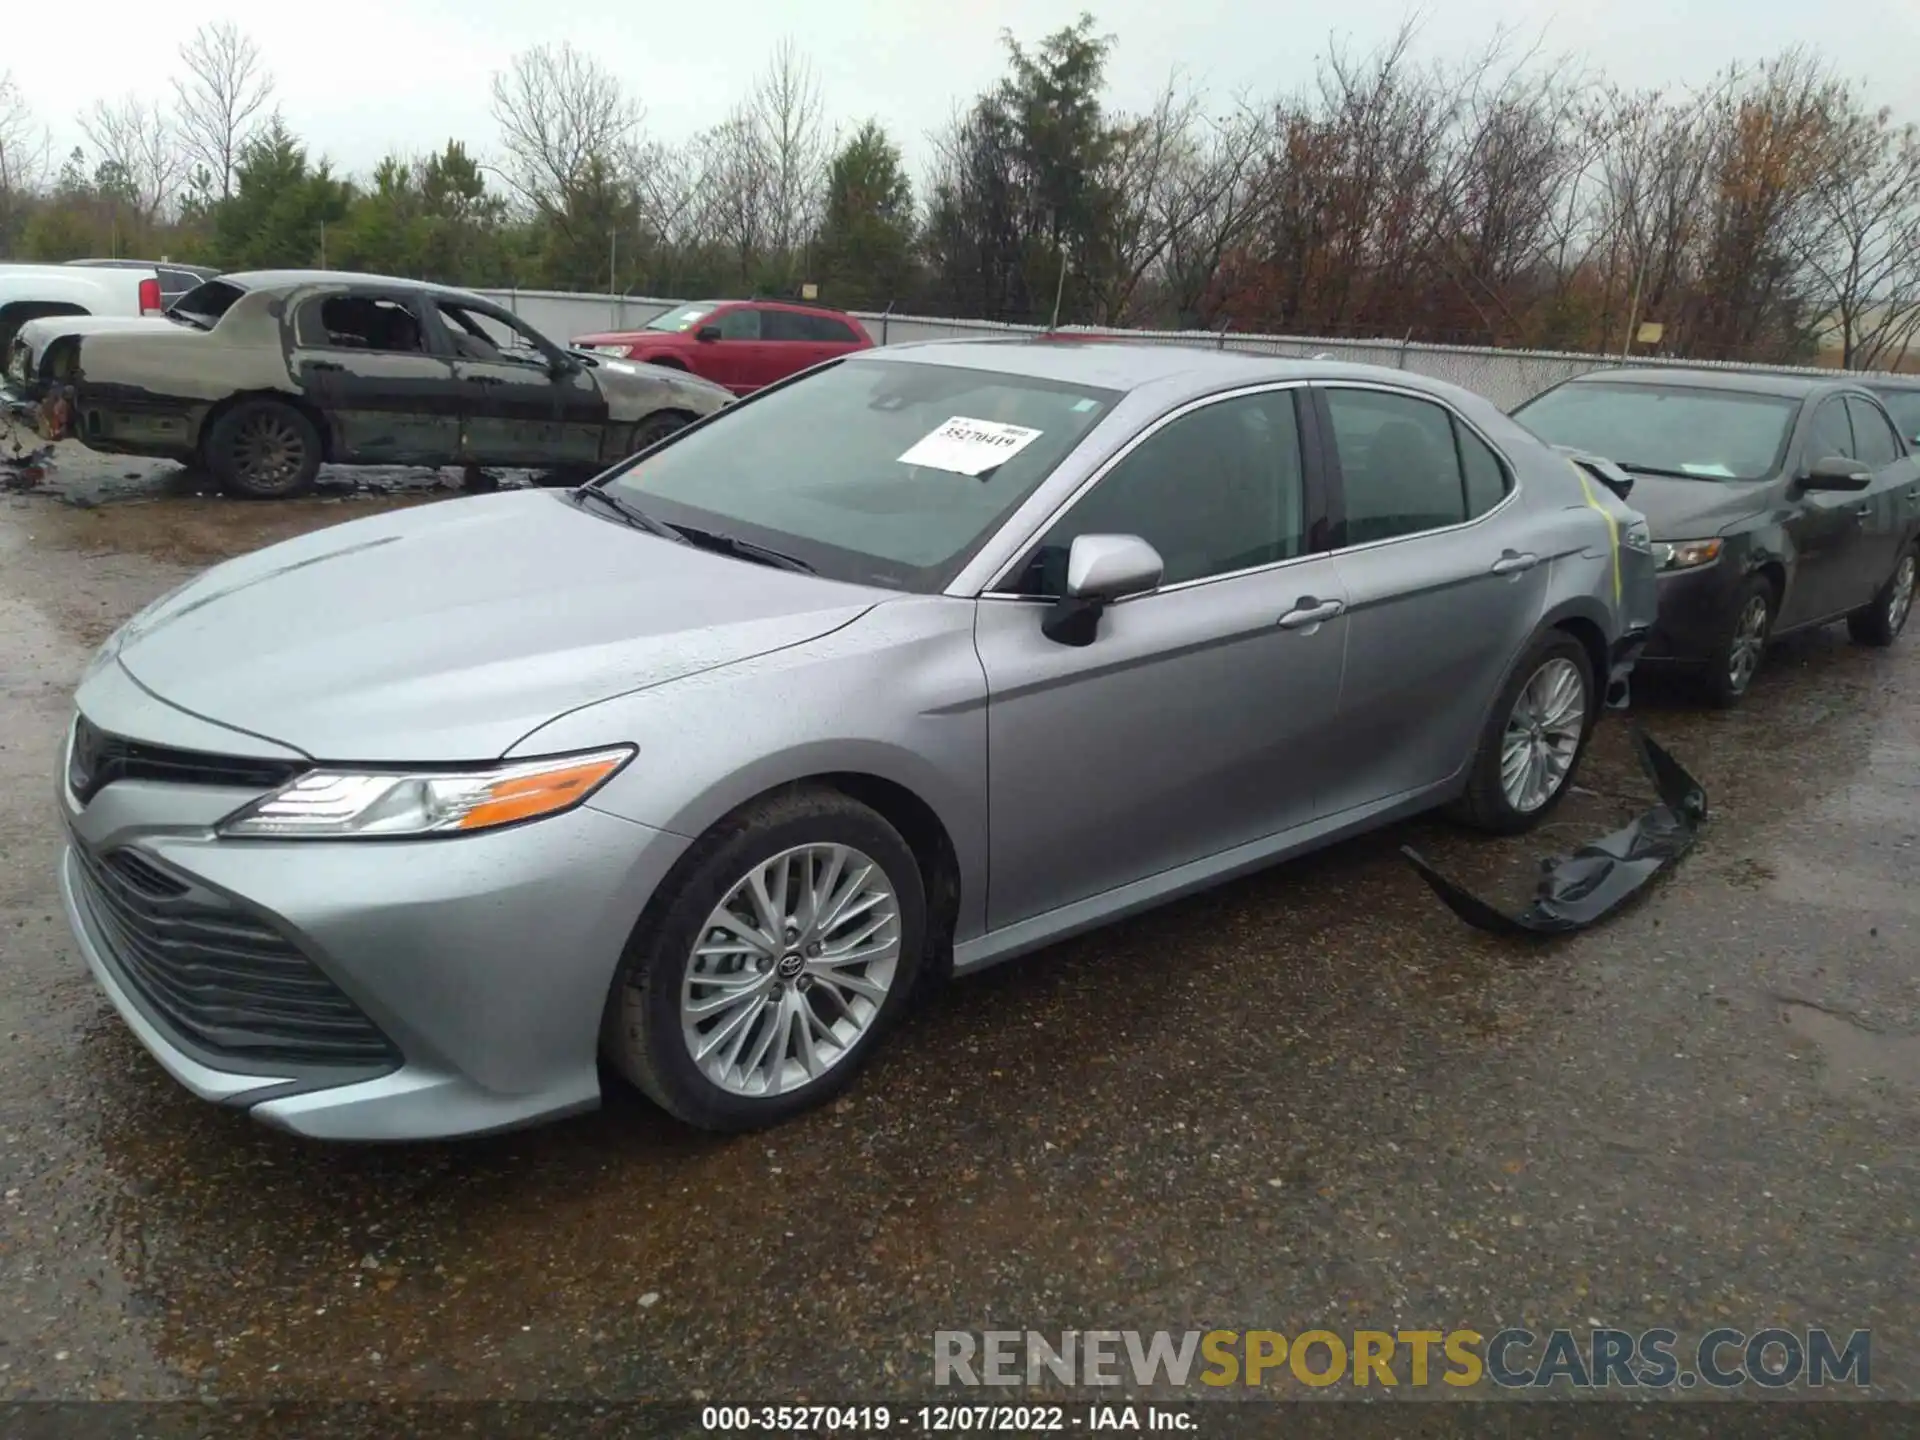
{"x":1399,"y":463}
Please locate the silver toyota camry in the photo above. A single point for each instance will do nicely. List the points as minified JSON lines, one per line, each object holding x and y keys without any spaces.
{"x":926,"y":658}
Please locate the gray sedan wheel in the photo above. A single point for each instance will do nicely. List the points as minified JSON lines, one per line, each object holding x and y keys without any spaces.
{"x":786,"y":943}
{"x":1535,"y":735}
{"x":1881,"y":619}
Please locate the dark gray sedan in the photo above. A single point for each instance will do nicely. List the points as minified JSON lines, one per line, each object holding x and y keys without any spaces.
{"x":1777,"y":503}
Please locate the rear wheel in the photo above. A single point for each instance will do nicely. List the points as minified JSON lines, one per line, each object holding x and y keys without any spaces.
{"x":1744,"y":632}
{"x":263,"y":450}
{"x":1534,"y":739}
{"x":1881,"y":619}
{"x":789,"y":943}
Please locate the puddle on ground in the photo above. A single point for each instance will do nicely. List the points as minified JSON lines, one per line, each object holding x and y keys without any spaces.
{"x":1858,"y":1061}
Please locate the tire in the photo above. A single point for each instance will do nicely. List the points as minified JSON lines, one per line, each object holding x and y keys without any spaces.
{"x":657,"y":427}
{"x":1881,"y":619}
{"x":649,"y":1039}
{"x":1737,"y":650}
{"x":1559,"y":737}
{"x":263,"y":450}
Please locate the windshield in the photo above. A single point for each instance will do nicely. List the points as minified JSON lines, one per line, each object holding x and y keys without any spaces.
{"x":879,"y":472}
{"x":1698,"y":434}
{"x":1904,"y":406}
{"x":682,"y":317}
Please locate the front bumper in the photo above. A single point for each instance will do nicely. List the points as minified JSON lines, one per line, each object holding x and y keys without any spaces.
{"x":1693,"y":614}
{"x":484,"y":961}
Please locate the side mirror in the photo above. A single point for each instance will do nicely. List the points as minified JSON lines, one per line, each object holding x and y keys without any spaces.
{"x":707,"y":334}
{"x":1100,"y":570}
{"x":1836,"y":472}
{"x":561,"y":366}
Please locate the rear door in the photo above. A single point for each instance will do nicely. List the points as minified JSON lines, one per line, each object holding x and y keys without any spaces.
{"x":1894,"y":500}
{"x":368,"y":360}
{"x":1200,"y":717}
{"x":1446,"y":580}
{"x":521,"y":402}
{"x":791,"y":344}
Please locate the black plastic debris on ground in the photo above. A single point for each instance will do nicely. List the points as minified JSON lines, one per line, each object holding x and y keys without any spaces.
{"x":1585,"y":887}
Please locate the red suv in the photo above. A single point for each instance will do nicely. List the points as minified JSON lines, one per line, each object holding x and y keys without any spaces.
{"x":741,"y":344}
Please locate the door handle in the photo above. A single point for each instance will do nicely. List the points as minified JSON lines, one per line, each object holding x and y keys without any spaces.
{"x":1309,"y":611}
{"x":485,"y":380}
{"x":1865,"y":512}
{"x":1512,"y":564}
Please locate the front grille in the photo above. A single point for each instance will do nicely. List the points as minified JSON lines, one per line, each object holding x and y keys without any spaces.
{"x":225,"y":982}
{"x":97,"y":759}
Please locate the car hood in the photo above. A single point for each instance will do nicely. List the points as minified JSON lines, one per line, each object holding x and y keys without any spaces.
{"x":449,"y":631}
{"x":1694,"y":509}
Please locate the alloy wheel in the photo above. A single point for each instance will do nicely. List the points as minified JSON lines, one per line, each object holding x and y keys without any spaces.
{"x":1749,"y":643}
{"x":791,"y":969}
{"x":268,"y":450}
{"x":1543,"y":735}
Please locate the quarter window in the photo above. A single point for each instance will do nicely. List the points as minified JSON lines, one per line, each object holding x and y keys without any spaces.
{"x":1831,"y":434}
{"x":1218,"y":490}
{"x":1403,"y":469}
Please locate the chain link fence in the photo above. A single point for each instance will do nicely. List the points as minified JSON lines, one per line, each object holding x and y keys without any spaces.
{"x":1506,"y":377}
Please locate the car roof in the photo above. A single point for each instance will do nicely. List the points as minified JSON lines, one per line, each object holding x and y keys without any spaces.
{"x":1744,"y":382}
{"x":1131,"y":365}
{"x":1892,"y":382}
{"x":292,"y":279}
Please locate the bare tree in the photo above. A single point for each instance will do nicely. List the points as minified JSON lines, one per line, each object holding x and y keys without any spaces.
{"x":738,"y":191}
{"x":221,"y":101}
{"x":788,"y":124}
{"x":26,"y":152}
{"x":137,"y":143}
{"x":1864,"y":250}
{"x":562,"y":118}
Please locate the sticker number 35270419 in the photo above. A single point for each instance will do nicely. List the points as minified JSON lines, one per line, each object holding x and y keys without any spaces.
{"x":969,"y":447}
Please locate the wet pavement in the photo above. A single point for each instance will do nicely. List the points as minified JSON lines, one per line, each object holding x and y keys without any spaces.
{"x":1312,"y":1099}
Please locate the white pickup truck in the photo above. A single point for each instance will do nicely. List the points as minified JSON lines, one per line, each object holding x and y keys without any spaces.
{"x":126,"y":288}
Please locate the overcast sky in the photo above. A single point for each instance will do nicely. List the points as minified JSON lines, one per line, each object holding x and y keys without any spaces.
{"x":360,"y":78}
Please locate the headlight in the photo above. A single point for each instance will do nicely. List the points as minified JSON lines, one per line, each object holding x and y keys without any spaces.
{"x":1638,"y":537}
{"x":346,"y":804}
{"x":1687,"y":554}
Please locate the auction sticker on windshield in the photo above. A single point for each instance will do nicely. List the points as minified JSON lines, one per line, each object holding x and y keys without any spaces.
{"x":970,"y":447}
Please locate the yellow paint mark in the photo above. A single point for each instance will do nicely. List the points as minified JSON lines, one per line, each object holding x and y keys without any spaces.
{"x":1613,"y":526}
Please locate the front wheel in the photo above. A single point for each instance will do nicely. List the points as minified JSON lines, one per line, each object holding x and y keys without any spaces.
{"x":1742,"y":645}
{"x":786,"y":943}
{"x":1534,"y":739}
{"x":263,"y":450}
{"x":1881,"y":619}
{"x":657,"y":427}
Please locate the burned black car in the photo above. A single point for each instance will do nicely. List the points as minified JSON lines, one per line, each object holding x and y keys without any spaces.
{"x":262,"y":377}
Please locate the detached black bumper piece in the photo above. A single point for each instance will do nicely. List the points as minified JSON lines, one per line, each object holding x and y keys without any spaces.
{"x":1583,"y":888}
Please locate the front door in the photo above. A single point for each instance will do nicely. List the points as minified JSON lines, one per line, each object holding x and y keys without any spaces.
{"x":742,"y":358}
{"x":367,"y":362}
{"x":521,"y":402}
{"x":1827,"y":528}
{"x":1200,"y":717}
{"x":1446,"y":582}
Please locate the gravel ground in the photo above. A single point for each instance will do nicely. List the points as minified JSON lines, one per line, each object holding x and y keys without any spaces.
{"x":1311,"y":1099}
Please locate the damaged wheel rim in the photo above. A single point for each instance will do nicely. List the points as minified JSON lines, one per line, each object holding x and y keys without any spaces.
{"x":1749,"y":640}
{"x":1901,"y":601}
{"x":1543,"y":735}
{"x":792,"y":967}
{"x":268,"y":450}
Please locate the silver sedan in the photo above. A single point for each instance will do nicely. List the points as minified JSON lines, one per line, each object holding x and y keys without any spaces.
{"x":921,"y":660}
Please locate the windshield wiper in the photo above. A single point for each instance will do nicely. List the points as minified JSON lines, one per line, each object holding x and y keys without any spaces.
{"x":628,"y":513}
{"x":743,"y":549}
